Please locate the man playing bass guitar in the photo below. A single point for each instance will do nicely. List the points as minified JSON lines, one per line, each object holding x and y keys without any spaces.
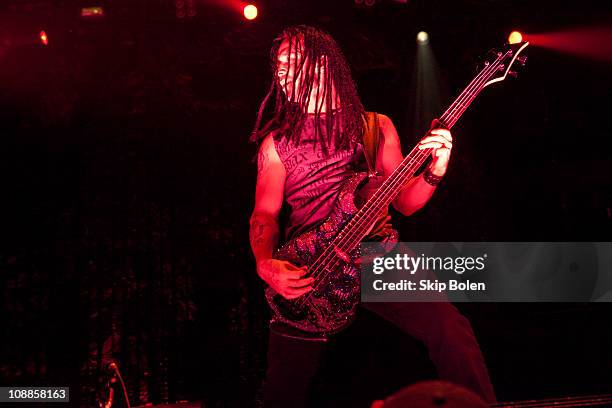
{"x":307,"y":150}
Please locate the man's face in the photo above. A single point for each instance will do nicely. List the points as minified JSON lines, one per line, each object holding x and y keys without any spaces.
{"x":288,"y":63}
{"x":289,"y":58}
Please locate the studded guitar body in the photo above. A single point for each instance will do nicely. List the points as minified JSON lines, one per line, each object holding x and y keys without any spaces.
{"x":332,"y":304}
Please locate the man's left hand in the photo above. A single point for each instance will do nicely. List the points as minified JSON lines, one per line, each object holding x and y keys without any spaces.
{"x":441,"y":141}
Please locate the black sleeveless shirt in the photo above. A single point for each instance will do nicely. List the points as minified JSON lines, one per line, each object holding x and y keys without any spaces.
{"x":314,"y":178}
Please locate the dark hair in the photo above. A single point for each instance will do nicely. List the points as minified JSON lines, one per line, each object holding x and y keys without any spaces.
{"x":343,"y":128}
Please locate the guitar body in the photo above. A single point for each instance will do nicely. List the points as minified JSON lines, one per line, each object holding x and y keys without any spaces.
{"x":332,"y":304}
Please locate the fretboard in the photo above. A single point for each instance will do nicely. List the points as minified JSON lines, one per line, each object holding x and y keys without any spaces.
{"x":354,"y":232}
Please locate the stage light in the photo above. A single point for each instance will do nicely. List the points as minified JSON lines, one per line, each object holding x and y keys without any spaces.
{"x":250,"y":12}
{"x":515,"y":37}
{"x":43,"y":38}
{"x":422,"y":37}
{"x":92,"y":12}
{"x":591,"y":42}
{"x":426,"y":89}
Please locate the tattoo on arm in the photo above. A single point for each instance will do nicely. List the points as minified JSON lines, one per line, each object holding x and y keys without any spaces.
{"x":263,"y":232}
{"x":257,"y":232}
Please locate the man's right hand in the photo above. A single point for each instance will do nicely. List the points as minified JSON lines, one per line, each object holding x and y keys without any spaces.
{"x":285,"y":278}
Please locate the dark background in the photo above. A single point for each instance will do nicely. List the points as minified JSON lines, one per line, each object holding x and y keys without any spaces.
{"x":128,"y":182}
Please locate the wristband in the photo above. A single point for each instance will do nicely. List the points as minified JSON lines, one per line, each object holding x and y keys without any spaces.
{"x":431,"y":178}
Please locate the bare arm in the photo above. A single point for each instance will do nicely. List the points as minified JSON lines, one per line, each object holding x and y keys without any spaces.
{"x":417,"y":191}
{"x":285,"y":278}
{"x":263,"y":231}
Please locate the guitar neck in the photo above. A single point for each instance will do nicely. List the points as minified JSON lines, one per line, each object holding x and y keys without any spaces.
{"x":358,"y":227}
{"x":416,"y":158}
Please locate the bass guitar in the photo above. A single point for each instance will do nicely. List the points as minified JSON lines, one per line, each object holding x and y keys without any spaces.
{"x":331,"y":249}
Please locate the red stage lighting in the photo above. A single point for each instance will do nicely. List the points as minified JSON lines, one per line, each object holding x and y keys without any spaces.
{"x":250,"y":12}
{"x":515,"y":37}
{"x":43,"y":38}
{"x":591,"y":42}
{"x":92,"y":12}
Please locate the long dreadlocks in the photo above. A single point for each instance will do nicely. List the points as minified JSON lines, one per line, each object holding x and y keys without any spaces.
{"x":319,"y":55}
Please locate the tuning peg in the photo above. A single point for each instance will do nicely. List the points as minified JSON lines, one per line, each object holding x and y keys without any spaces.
{"x":513,"y":74}
{"x":522,"y":60}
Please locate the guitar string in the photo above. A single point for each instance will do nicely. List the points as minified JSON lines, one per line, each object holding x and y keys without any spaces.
{"x":345,"y":243}
{"x":397,"y":182}
{"x":390,"y":191}
{"x":461,"y":107}
{"x":394,"y":181}
{"x":453,"y":112}
{"x":469,"y":94}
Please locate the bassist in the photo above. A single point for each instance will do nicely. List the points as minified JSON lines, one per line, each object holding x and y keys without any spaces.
{"x":309,"y":148}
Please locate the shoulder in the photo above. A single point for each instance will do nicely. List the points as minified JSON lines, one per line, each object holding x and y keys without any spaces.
{"x":385,"y":121}
{"x":267,"y":150}
{"x":268,"y":142}
{"x":387,"y":128}
{"x":389,"y":148}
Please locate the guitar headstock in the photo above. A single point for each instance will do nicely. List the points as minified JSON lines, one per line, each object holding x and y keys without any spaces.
{"x":503,"y":62}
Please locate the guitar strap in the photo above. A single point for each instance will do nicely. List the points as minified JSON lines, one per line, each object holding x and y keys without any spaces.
{"x":382,"y":229}
{"x":371,"y":140}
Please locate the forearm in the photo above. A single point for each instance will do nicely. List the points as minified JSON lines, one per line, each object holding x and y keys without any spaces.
{"x":414,"y":196}
{"x":263,"y":234}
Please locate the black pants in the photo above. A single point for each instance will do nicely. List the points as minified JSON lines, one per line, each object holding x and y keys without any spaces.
{"x":447,"y":334}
